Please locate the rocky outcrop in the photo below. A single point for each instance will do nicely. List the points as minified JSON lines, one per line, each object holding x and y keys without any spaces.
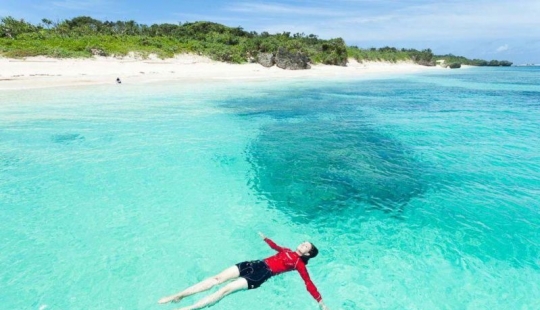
{"x":284,"y":60}
{"x":266,"y":59}
{"x":290,"y":61}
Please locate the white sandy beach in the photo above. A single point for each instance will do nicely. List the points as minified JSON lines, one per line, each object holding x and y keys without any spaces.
{"x":39,"y":72}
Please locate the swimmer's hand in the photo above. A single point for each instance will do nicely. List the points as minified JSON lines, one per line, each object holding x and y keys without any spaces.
{"x":262,"y":235}
{"x":322,"y":306}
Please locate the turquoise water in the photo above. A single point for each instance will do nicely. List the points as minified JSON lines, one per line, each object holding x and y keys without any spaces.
{"x":420,"y":191}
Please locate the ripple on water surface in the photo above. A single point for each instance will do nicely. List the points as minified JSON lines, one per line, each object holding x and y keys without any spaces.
{"x":421,"y":192}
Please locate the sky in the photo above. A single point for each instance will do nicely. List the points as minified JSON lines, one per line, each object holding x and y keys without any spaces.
{"x":485,"y":29}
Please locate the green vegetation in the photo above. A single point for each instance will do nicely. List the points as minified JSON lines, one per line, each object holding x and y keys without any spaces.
{"x":84,"y":37}
{"x":391,"y":54}
{"x":424,"y":57}
{"x":449,"y":58}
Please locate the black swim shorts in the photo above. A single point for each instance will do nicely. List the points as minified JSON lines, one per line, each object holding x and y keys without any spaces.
{"x":255,"y":272}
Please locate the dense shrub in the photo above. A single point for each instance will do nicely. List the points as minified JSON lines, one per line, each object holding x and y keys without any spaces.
{"x":81,"y":36}
{"x":449,"y":58}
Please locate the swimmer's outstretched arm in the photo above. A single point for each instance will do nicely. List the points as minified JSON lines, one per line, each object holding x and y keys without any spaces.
{"x":271,"y":243}
{"x":303,"y":273}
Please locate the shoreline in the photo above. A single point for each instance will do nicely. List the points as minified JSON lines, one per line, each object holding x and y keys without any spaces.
{"x":44,"y":72}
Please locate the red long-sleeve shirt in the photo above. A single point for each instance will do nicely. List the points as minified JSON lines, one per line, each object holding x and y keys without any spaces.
{"x":287,"y":260}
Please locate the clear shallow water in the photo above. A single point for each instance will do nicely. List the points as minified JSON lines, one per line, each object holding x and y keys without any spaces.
{"x":421,"y":191}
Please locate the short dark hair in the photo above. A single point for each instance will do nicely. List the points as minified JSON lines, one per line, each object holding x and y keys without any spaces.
{"x":312,"y":253}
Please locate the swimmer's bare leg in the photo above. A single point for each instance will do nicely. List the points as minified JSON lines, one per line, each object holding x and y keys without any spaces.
{"x":225,"y":275}
{"x":235,"y":286}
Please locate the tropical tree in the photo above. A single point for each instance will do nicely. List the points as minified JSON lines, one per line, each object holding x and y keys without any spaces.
{"x":11,"y":28}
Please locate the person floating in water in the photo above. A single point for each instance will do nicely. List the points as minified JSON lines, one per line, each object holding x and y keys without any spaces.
{"x":251,"y":274}
{"x":118,"y":81}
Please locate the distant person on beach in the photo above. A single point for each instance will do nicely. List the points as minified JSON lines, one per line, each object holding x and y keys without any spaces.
{"x":118,"y":81}
{"x":251,"y":274}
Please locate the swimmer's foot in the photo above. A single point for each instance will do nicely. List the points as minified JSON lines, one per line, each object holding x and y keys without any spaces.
{"x":173,"y":298}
